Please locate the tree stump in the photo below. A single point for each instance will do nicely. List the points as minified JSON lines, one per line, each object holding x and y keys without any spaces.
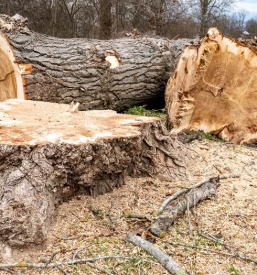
{"x":214,"y":89}
{"x":48,"y":154}
{"x":114,"y":74}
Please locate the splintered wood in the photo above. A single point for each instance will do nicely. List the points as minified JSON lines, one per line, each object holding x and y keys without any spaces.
{"x":214,"y":89}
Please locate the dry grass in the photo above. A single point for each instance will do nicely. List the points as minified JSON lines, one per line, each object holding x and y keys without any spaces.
{"x":231,"y":218}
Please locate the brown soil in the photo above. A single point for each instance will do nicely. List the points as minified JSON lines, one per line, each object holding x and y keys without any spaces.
{"x":231,"y":218}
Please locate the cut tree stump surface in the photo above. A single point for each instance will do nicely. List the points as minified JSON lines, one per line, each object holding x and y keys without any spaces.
{"x":48,"y":155}
{"x":33,"y":123}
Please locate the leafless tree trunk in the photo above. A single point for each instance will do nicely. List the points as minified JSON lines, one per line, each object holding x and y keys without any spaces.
{"x":105,"y":19}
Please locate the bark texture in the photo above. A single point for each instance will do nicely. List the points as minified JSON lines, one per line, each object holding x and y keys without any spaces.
{"x":214,"y":89}
{"x":166,"y":219}
{"x":43,"y":163}
{"x":77,"y":69}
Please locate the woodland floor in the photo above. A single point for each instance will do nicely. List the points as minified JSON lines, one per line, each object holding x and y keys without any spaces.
{"x":230,"y":218}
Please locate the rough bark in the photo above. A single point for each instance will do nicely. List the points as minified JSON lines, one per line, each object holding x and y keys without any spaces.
{"x":163,"y":221}
{"x":136,"y":72}
{"x":43,"y":163}
{"x":214,"y":89}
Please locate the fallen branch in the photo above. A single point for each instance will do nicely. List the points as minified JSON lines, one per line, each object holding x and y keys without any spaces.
{"x":185,"y":190}
{"x":215,"y":251}
{"x":162,"y":222}
{"x":160,"y":256}
{"x":57,"y":264}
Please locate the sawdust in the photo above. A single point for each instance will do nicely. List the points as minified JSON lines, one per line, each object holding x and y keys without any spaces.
{"x":230,"y":218}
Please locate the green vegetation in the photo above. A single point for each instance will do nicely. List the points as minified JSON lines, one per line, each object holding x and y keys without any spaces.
{"x":200,"y":135}
{"x":233,"y":271}
{"x":211,"y":137}
{"x":141,"y":111}
{"x":97,"y":212}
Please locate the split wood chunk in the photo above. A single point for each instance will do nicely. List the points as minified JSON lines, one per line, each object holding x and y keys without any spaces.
{"x":214,"y":89}
{"x":49,"y":154}
{"x":114,"y":74}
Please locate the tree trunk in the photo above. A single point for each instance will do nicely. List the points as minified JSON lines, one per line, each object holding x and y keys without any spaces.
{"x":115,"y":74}
{"x":105,"y":19}
{"x":214,"y":89}
{"x":43,"y":163}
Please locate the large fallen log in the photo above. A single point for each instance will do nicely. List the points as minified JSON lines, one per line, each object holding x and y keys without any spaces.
{"x":49,"y":154}
{"x":214,"y":89}
{"x":114,"y":74}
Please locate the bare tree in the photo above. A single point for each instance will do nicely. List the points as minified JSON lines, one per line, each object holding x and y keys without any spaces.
{"x":251,"y":27}
{"x":105,"y":19}
{"x":208,"y":11}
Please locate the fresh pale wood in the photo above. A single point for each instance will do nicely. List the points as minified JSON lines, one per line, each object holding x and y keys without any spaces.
{"x":49,"y":154}
{"x":12,"y":81}
{"x":214,"y":89}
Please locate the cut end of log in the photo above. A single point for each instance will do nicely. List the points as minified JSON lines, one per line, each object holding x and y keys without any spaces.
{"x":12,"y":82}
{"x":214,"y":89}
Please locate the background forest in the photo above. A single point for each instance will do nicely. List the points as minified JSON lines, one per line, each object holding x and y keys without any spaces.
{"x":105,"y":19}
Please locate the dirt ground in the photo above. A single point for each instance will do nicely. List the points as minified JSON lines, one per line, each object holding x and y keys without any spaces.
{"x":226,"y":224}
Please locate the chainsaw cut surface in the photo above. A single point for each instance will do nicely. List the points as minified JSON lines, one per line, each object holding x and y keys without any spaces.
{"x":32,"y":123}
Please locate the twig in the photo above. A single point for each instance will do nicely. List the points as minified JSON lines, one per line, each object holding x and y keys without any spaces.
{"x":79,"y":250}
{"x":87,"y":234}
{"x":213,"y":239}
{"x":217,"y":168}
{"x":63,"y":271}
{"x":160,"y":256}
{"x":80,"y":261}
{"x":215,"y":251}
{"x":136,"y":216}
{"x":52,"y":257}
{"x":183,"y":191}
{"x":100,"y":269}
{"x":188,"y":217}
{"x":111,"y":209}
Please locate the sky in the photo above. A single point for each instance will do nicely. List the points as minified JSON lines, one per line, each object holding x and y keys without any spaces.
{"x":248,"y":5}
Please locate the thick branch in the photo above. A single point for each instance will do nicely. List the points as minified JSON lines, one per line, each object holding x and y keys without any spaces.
{"x":160,"y":256}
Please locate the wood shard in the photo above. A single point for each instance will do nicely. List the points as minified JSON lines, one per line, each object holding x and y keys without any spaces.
{"x":214,"y":89}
